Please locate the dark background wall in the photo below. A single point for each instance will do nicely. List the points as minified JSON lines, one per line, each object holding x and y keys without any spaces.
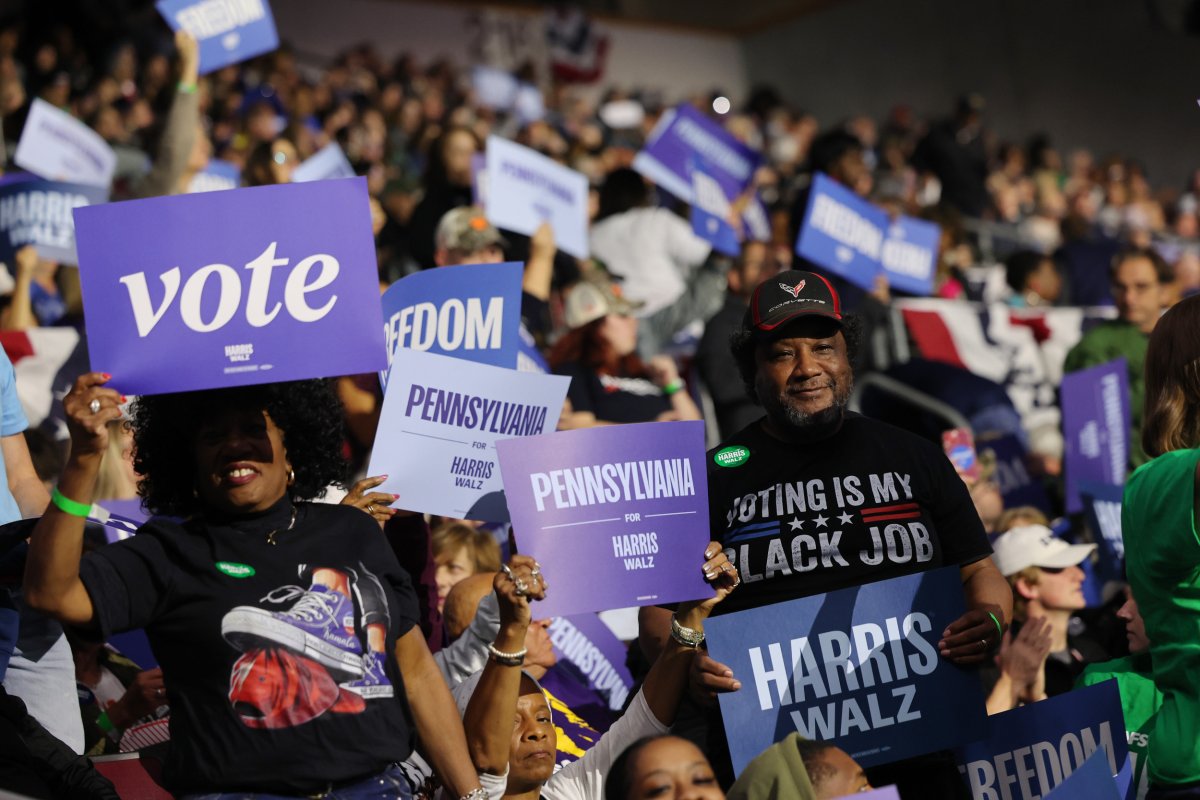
{"x":1101,"y":74}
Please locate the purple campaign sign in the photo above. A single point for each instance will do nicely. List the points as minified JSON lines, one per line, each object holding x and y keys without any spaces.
{"x":858,"y":667}
{"x":617,"y":516}
{"x":886,"y":793}
{"x":684,"y":133}
{"x":842,"y":232}
{"x":199,"y":291}
{"x":1030,"y":750}
{"x":1017,"y":486}
{"x":711,"y":211}
{"x":1092,"y":781}
{"x":1095,"y":409}
{"x":591,"y":650}
{"x":1102,"y":504}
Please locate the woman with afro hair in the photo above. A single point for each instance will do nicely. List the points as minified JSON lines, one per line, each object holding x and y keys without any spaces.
{"x":285,"y":629}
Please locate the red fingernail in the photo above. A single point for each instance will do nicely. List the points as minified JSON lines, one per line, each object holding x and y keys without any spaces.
{"x":395,"y":497}
{"x":106,"y":375}
{"x":123,"y":398}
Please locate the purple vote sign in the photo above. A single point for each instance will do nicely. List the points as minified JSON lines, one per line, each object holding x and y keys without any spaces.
{"x":617,"y":516}
{"x":200,"y":291}
{"x":1095,"y":409}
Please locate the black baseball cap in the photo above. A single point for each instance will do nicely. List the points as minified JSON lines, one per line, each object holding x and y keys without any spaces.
{"x":790,"y":295}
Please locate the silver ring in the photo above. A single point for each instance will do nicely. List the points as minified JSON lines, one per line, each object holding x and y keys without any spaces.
{"x":522,"y":589}
{"x":371,"y":509}
{"x":508,"y":572}
{"x":94,"y":406}
{"x":161,"y":692}
{"x":984,"y":643}
{"x":536,"y":572}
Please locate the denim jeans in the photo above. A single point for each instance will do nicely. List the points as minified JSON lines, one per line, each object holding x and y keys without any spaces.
{"x":391,"y":784}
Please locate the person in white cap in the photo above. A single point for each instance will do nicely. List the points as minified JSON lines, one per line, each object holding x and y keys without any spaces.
{"x":1047,"y":583}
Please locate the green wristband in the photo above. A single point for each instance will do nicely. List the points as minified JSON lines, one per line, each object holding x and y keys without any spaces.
{"x":995,"y":619}
{"x":69,"y":506}
{"x":672,"y":387}
{"x":104,"y":723}
{"x":186,"y":88}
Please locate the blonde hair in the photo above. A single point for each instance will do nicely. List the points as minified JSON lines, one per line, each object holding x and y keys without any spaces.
{"x":1021,"y":515}
{"x":482,"y":549}
{"x":1172,"y":419}
{"x":1030,"y":575}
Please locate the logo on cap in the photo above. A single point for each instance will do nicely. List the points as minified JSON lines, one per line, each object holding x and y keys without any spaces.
{"x":794,"y":291}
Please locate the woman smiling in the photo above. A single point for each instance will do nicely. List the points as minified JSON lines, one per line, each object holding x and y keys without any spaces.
{"x":285,"y":630}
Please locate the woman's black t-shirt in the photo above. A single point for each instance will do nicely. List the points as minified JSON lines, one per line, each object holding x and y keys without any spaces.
{"x":269,"y":669}
{"x":613,"y":398}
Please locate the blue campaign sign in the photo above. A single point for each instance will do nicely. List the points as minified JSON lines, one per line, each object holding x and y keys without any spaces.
{"x":38,"y":212}
{"x":682,"y":134}
{"x":858,"y":667}
{"x":59,"y":147}
{"x":1032,"y":749}
{"x":529,"y":358}
{"x":842,"y":232}
{"x":1095,"y":410}
{"x":471,"y":311}
{"x":711,"y":211}
{"x":494,"y":88}
{"x":256,"y":285}
{"x":1102,"y":505}
{"x":216,"y":176}
{"x":755,"y":221}
{"x":525,"y":189}
{"x":228,"y":31}
{"x":1017,"y":486}
{"x":1092,"y":781}
{"x":328,"y":163}
{"x":909,"y":255}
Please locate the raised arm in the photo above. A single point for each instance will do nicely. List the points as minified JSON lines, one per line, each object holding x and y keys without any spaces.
{"x":52,"y":582}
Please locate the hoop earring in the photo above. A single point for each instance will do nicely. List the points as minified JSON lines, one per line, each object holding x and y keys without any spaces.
{"x":291,"y":476}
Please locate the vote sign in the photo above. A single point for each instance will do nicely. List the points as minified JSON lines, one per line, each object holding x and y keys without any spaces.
{"x":857,"y":667}
{"x":256,"y":285}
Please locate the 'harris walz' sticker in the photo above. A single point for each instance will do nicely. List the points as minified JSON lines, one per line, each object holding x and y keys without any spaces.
{"x":235,"y":570}
{"x":734,"y":456}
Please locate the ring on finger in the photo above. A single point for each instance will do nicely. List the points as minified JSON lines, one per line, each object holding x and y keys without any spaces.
{"x":522,"y":588}
{"x":508,"y":572}
{"x":94,"y":406}
{"x":983,"y":643}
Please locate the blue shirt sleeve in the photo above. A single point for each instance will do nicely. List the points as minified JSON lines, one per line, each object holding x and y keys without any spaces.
{"x":12,"y":417}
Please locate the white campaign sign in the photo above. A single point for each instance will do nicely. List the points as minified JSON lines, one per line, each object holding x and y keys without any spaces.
{"x":438,"y":430}
{"x":525,"y":189}
{"x":59,"y":147}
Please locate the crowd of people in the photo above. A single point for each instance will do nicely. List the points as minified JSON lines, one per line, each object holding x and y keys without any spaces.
{"x":346,"y":662}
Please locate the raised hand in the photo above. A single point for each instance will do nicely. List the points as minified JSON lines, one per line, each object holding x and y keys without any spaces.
{"x":89,"y":408}
{"x":377,"y":504}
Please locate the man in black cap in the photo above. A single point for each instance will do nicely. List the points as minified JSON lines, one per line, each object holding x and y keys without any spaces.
{"x":813,"y":497}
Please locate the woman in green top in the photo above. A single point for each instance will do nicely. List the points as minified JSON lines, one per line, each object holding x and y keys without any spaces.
{"x":1162,"y":546}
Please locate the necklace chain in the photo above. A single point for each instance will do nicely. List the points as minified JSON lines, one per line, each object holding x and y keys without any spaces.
{"x":271,"y":535}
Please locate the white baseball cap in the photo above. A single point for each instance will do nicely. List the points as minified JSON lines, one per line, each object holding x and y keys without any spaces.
{"x":1036,"y":546}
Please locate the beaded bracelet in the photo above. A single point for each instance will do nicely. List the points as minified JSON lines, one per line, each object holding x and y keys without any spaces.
{"x":688,"y":637}
{"x":507,"y":659}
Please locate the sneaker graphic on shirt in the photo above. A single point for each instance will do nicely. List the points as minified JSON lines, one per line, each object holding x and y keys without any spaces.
{"x":374,"y":681}
{"x":320,"y":625}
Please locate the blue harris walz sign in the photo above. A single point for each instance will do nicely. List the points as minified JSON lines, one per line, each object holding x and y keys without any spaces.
{"x":858,"y":667}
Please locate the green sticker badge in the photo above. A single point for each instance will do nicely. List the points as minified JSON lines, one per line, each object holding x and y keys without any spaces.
{"x":733,"y":456}
{"x":235,"y":570}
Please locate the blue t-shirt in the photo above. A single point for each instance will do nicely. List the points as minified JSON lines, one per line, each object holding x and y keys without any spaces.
{"x":12,"y":421}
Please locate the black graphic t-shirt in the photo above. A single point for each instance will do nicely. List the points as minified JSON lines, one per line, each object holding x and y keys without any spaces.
{"x":868,"y":503}
{"x":278,"y":658}
{"x":613,"y":398}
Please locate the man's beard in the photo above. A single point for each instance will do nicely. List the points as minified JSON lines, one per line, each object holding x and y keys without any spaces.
{"x":791,"y":419}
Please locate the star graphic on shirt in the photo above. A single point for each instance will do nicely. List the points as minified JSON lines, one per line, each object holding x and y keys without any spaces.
{"x":796,"y":524}
{"x":821,"y":520}
{"x":845,"y":518}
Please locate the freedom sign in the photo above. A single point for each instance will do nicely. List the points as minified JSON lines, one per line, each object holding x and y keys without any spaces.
{"x":684,"y":134}
{"x":228,"y":31}
{"x":1095,"y":410}
{"x":441,"y":420}
{"x":711,"y":211}
{"x":39,"y":213}
{"x":328,"y":163}
{"x":471,"y":311}
{"x":619,"y":514}
{"x":1092,"y":781}
{"x":256,"y":285}
{"x":59,"y":147}
{"x":858,"y":667}
{"x":526,"y":189}
{"x":842,"y":232}
{"x":909,"y":255}
{"x":1032,"y":749}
